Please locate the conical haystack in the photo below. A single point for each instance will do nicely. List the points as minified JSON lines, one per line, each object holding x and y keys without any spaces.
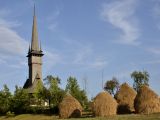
{"x":125,"y":98}
{"x":147,"y":101}
{"x":104,"y":105}
{"x":70,"y":107}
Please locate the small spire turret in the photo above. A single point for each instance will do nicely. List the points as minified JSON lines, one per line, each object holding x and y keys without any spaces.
{"x":40,"y":47}
{"x":29,"y":49}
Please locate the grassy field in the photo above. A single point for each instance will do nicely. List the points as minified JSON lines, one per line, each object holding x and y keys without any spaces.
{"x":117,"y":117}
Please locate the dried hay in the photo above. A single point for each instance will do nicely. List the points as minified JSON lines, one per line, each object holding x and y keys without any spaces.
{"x":104,"y":105}
{"x":125,"y":99}
{"x":147,"y":101}
{"x":70,"y":108}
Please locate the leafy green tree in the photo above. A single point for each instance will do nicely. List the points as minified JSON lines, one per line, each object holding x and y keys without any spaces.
{"x":55,"y":93}
{"x":39,"y":89}
{"x":20,"y":101}
{"x":73,"y":88}
{"x":5,"y":99}
{"x":49,"y":78}
{"x":39,"y":92}
{"x":112,"y":86}
{"x":140,"y":78}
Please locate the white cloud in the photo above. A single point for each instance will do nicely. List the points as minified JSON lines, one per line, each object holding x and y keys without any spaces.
{"x":156,"y":12}
{"x":4,"y":12}
{"x":51,"y":58}
{"x":52,"y":20}
{"x":156,"y":8}
{"x":154,"y":50}
{"x":82,"y":54}
{"x":120,"y":13}
{"x":2,"y":61}
{"x":152,"y":62}
{"x":11,"y":42}
{"x":4,"y":22}
{"x":53,"y":26}
{"x":124,"y":75}
{"x":13,"y":46}
{"x":9,"y":24}
{"x":99,"y":63}
{"x":53,"y":15}
{"x":31,"y":2}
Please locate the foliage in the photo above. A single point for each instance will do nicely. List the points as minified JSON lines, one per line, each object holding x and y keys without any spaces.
{"x":39,"y":93}
{"x":73,"y":88}
{"x":55,"y":93}
{"x":49,"y":78}
{"x":5,"y":100}
{"x":39,"y":90}
{"x":112,"y":86}
{"x":10,"y":114}
{"x":140,"y":78}
{"x":20,"y":101}
{"x":38,"y":110}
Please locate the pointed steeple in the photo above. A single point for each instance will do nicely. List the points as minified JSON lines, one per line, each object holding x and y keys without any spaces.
{"x":40,"y":47}
{"x":35,"y":54}
{"x":29,"y":49}
{"x":34,"y":44}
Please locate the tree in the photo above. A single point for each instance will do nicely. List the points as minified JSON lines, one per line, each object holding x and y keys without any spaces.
{"x":112,"y":86}
{"x":73,"y":88}
{"x":55,"y":93}
{"x":20,"y":101}
{"x":140,"y":78}
{"x":39,"y":87}
{"x":39,"y":92}
{"x":5,"y":99}
{"x":49,"y":79}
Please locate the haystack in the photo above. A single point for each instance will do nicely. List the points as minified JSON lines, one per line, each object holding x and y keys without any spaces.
{"x":146,"y":101}
{"x":70,"y":107}
{"x":125,"y":98}
{"x":104,"y":105}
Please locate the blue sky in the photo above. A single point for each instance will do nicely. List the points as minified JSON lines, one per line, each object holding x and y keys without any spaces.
{"x":82,"y":39}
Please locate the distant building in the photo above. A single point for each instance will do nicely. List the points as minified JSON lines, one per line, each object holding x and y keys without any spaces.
{"x":35,"y":54}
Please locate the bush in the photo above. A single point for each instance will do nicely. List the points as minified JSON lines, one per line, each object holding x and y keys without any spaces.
{"x":54,"y":110}
{"x":10,"y":114}
{"x":37,"y":110}
{"x":5,"y":100}
{"x":20,"y":101}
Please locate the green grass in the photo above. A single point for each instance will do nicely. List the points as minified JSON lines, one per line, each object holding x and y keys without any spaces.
{"x":117,"y":117}
{"x":29,"y":117}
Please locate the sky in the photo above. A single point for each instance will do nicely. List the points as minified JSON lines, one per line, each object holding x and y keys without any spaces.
{"x":90,"y":40}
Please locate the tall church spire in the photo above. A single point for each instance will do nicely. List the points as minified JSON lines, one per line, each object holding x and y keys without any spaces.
{"x":34,"y":60}
{"x":34,"y":44}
